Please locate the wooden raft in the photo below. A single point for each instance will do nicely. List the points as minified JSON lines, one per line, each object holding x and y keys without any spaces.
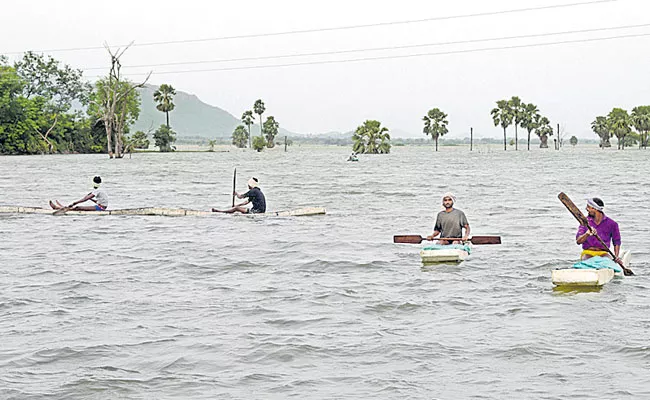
{"x":169,"y":212}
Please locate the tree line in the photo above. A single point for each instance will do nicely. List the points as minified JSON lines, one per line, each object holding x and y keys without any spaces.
{"x":46,"y":107}
{"x":620,"y":123}
{"x":242,"y":138}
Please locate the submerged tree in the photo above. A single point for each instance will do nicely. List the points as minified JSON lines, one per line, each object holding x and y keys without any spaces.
{"x":502,"y":115}
{"x":259,"y":143}
{"x":641,"y":121}
{"x":601,"y":128}
{"x":435,"y":124}
{"x":164,"y":96}
{"x":618,"y":121}
{"x":371,"y":138}
{"x":543,"y":131}
{"x":271,"y":131}
{"x":240,"y":137}
{"x":164,"y":137}
{"x":139,"y":140}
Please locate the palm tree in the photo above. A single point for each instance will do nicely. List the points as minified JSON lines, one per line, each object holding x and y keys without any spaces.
{"x":619,"y":123}
{"x":601,"y":128}
{"x":164,"y":96}
{"x":271,"y":130}
{"x":641,"y":121}
{"x":502,"y":115}
{"x":517,"y":108}
{"x":259,"y":109}
{"x":435,"y":124}
{"x":528,"y":121}
{"x":212,"y":143}
{"x":371,"y":138}
{"x":247,"y":119}
{"x":239,"y":136}
{"x":543,"y":131}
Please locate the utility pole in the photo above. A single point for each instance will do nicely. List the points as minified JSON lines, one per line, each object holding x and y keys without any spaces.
{"x":285,"y":144}
{"x":471,"y":138}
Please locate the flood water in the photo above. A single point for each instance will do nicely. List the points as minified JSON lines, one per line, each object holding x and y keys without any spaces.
{"x":320,"y":307}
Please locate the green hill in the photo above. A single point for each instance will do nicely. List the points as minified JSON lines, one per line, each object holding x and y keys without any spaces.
{"x":191,"y":117}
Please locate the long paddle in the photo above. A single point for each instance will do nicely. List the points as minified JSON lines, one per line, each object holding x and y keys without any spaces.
{"x":417,"y":239}
{"x":234,"y":181}
{"x":582,"y":220}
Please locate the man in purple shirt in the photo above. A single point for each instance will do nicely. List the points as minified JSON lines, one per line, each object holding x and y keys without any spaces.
{"x":605,"y":227}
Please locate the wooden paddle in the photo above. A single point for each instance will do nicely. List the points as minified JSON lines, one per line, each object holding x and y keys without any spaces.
{"x":582,"y":220}
{"x":417,"y":239}
{"x":62,"y":210}
{"x":234,"y":181}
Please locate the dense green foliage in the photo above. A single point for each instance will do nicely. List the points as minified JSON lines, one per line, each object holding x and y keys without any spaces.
{"x":371,"y":138}
{"x":163,"y":138}
{"x":247,"y":119}
{"x":270,"y":131}
{"x":620,"y":123}
{"x":240,"y":137}
{"x":36,"y":115}
{"x":259,"y":143}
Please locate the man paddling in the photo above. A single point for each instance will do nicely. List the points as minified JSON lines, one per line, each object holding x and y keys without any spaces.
{"x":97,"y":196}
{"x":601,"y":225}
{"x":450,"y":222}
{"x":254,"y":195}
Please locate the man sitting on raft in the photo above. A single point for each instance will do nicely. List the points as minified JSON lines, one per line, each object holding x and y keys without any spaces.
{"x":600,"y":224}
{"x":450,"y":222}
{"x":97,"y":196}
{"x":254,"y":196}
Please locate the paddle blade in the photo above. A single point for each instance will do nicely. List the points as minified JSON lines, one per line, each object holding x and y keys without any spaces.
{"x":62,"y":211}
{"x":410,"y":239}
{"x":485,"y":240}
{"x":573,"y":209}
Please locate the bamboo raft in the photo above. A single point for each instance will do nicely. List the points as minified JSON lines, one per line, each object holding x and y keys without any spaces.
{"x":169,"y":212}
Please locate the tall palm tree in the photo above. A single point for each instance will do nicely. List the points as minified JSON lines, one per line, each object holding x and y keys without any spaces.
{"x":259,"y":109}
{"x":529,"y":119}
{"x":247,"y":119}
{"x":371,"y":138}
{"x":601,"y":128}
{"x":619,"y":123}
{"x":641,"y":120}
{"x":517,"y":109}
{"x":502,"y":115}
{"x":435,"y":124}
{"x":164,"y":96}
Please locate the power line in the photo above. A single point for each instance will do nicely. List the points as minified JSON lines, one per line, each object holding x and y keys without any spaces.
{"x":402,"y":47}
{"x":397,"y":56}
{"x":331,"y":29}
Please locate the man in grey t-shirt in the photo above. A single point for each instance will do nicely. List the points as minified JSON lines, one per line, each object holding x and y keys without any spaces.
{"x":450,"y":222}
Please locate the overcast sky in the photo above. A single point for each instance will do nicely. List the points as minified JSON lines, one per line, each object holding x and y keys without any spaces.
{"x":571,"y":83}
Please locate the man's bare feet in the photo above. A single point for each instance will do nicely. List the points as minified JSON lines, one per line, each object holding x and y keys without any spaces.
{"x":54,"y":207}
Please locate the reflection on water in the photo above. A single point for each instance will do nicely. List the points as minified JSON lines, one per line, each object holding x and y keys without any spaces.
{"x":318,"y":307}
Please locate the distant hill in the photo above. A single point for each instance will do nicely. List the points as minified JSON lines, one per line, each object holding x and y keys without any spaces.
{"x":191,"y":117}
